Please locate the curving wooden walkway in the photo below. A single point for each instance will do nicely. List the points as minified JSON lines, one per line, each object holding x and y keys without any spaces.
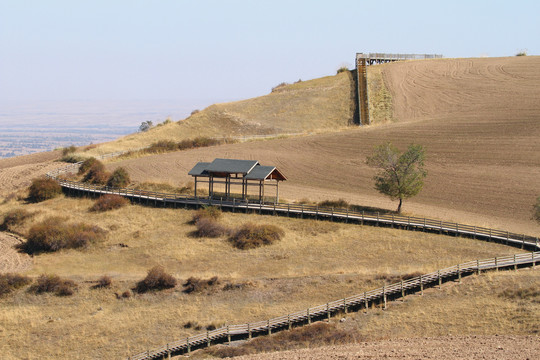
{"x":353,"y":303}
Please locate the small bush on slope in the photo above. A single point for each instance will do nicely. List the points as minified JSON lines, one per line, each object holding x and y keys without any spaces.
{"x":250,"y":236}
{"x":157,"y":279}
{"x":53,"y":234}
{"x":43,"y":189}
{"x":109,"y":202}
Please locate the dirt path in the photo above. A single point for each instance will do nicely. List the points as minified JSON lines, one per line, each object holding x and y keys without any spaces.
{"x":10,"y":259}
{"x":451,"y":348}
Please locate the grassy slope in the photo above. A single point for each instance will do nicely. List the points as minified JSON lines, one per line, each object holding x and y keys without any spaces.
{"x":314,"y":263}
{"x":319,"y":104}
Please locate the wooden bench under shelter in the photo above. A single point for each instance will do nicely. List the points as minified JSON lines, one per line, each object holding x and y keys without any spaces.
{"x":229,"y":172}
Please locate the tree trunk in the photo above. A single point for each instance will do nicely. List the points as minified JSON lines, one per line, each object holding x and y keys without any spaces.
{"x":399,"y":206}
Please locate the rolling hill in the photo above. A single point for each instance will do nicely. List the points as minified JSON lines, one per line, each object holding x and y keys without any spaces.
{"x":479,"y":120}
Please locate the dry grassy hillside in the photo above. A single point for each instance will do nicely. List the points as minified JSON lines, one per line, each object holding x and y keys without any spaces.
{"x":320,"y":104}
{"x":482,"y":149}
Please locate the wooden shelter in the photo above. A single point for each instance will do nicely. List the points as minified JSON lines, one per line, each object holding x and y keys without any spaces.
{"x":229,"y":172}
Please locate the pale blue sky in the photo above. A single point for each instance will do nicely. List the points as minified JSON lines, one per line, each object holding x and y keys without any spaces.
{"x":199,"y":52}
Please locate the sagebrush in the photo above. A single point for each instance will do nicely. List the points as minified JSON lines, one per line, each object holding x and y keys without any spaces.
{"x":109,"y":202}
{"x":43,"y":189}
{"x":156,"y":279}
{"x":250,"y":236}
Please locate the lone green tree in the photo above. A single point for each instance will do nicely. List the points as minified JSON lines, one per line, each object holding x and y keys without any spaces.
{"x":401,"y":175}
{"x":536,"y":210}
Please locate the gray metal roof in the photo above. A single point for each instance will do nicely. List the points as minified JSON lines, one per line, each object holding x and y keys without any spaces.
{"x":260,"y":172}
{"x":250,"y":169}
{"x":231,"y":166}
{"x":199,"y":169}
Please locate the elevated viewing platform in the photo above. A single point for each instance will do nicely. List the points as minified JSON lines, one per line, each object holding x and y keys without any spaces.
{"x":380,"y":58}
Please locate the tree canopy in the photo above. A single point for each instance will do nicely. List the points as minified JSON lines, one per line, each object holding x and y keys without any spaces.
{"x":401,"y":175}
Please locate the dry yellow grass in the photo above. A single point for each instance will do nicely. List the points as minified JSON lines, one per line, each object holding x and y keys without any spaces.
{"x":321,"y":104}
{"x":315,"y":262}
{"x":490,"y":304}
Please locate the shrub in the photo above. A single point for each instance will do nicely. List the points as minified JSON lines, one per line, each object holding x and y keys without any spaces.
{"x":162,"y":146}
{"x":338,"y":204}
{"x":195,"y":112}
{"x":522,"y":53}
{"x":207,"y":212}
{"x":54,"y":234}
{"x":54,"y":284}
{"x":10,"y":282}
{"x":103,"y":282}
{"x":251,"y":236}
{"x":14,"y":218}
{"x":119,"y":178}
{"x":87,"y":164}
{"x":43,"y":189}
{"x":279,"y":86}
{"x":196,"y":285}
{"x":157,"y":279}
{"x":207,"y":227}
{"x":342,"y":69}
{"x":70,"y":158}
{"x":96,"y":174}
{"x":69,"y":150}
{"x":109,"y":202}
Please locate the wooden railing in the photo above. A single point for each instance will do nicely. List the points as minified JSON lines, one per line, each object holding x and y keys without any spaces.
{"x":380,"y":295}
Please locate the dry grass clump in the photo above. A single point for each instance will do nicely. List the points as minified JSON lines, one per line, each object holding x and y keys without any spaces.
{"x":103,"y":282}
{"x":395,"y":278}
{"x":10,"y":282}
{"x":196,"y":285}
{"x":317,"y":334}
{"x":163,"y":146}
{"x":53,"y":234}
{"x":207,"y":227}
{"x":43,"y":189}
{"x":207,"y":212}
{"x":13,"y":218}
{"x":87,"y":164}
{"x":109,"y":202}
{"x":157,"y":279}
{"x":337,"y":204}
{"x":119,"y":178}
{"x":250,"y":236}
{"x":97,"y":174}
{"x":54,"y":284}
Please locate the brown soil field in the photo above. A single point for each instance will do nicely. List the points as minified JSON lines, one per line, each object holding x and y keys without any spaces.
{"x":10,"y":259}
{"x":477,"y":118}
{"x":17,"y":172}
{"x":449,"y":347}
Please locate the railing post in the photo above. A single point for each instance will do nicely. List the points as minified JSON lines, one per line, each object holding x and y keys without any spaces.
{"x":533,"y":261}
{"x":477,"y":267}
{"x":377,"y":218}
{"x":439,"y":277}
{"x":308,"y":316}
{"x":366,"y":302}
{"x":328,"y":310}
{"x":440,"y":227}
{"x":228,"y":335}
{"x":188,"y":345}
{"x":384,"y":297}
{"x":268,"y":326}
{"x":496,"y":265}
{"x":421,"y":286}
{"x":362,"y":217}
{"x":522,"y":241}
{"x":168,"y":352}
{"x":402,"y":291}
{"x":249,"y":331}
{"x":345,"y":305}
{"x":515,"y":263}
{"x":289,"y":321}
{"x":347,"y":217}
{"x":207,"y":338}
{"x":459,"y":273}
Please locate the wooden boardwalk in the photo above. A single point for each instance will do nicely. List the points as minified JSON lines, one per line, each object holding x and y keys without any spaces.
{"x":353,"y":303}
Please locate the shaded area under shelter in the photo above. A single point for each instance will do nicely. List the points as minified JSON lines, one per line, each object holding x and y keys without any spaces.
{"x":247,"y":174}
